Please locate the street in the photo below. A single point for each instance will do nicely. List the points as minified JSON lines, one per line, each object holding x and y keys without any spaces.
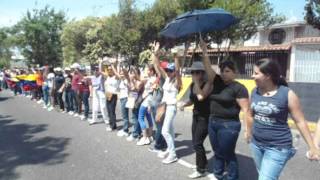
{"x":36,"y":144}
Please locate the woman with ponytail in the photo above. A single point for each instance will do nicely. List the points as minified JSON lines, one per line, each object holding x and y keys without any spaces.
{"x":271,"y":102}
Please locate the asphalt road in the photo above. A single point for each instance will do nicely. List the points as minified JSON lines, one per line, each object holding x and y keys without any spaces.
{"x":39,"y":145}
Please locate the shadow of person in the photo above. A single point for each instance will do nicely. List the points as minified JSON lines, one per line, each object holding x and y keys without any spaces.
{"x":19,"y":146}
{"x":247,"y":168}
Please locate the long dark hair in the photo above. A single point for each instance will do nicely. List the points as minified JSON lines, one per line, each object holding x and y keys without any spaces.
{"x":271,"y":68}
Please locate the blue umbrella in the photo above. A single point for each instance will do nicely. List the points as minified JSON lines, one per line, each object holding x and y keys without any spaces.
{"x":198,"y":21}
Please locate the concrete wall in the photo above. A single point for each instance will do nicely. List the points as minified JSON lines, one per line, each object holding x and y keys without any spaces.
{"x":309,"y":94}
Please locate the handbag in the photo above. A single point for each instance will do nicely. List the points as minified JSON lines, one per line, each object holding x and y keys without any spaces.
{"x":131,"y":100}
{"x":161,"y":111}
{"x":138,"y":102}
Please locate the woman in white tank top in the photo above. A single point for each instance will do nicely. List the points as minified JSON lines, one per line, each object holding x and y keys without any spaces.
{"x":171,"y":89}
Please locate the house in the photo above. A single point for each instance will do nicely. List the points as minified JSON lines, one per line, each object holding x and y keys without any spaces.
{"x":295,"y":45}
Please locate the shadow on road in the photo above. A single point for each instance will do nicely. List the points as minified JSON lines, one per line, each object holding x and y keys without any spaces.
{"x":19,"y":146}
{"x":4,"y":98}
{"x":247,"y":168}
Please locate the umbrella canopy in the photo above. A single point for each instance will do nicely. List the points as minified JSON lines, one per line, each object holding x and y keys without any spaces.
{"x":198,"y":21}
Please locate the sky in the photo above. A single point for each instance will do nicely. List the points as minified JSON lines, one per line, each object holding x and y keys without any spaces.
{"x":11,"y":11}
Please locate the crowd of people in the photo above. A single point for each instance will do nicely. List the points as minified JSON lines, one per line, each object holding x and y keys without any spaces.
{"x":217,"y":100}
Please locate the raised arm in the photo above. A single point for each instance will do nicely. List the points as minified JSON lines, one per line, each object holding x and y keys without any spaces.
{"x":115,"y":71}
{"x":156,"y":62}
{"x":298,"y":117}
{"x":100,"y":67}
{"x":178,"y":83}
{"x":206,"y":62}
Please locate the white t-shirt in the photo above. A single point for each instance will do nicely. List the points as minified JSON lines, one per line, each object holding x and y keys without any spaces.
{"x":50,"y":79}
{"x":123,"y":89}
{"x":170,"y":92}
{"x":112,"y":85}
{"x":97,"y":83}
{"x":148,"y":90}
{"x":1,"y":76}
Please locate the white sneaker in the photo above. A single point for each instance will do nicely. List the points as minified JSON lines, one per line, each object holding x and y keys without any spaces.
{"x":109,"y":129}
{"x":91,"y":122}
{"x":151,"y":139}
{"x":83,"y":118}
{"x":50,"y":108}
{"x":125,"y":134}
{"x":40,"y":101}
{"x":70,"y":113}
{"x":163,"y":154}
{"x":131,"y":138}
{"x":170,"y":159}
{"x":143,"y":141}
{"x":106,"y":122}
{"x":76,"y":115}
{"x":196,"y":174}
{"x":44,"y":107}
{"x":120,"y":133}
{"x":63,"y":111}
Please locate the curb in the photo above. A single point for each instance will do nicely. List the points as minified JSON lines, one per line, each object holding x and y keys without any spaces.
{"x":312,"y":125}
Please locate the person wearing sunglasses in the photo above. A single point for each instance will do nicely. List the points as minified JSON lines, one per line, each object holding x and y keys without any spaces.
{"x":200,"y":116}
{"x":171,"y":88}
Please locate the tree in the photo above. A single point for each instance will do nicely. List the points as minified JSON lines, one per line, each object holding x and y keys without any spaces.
{"x":82,"y":40}
{"x":130,"y":34}
{"x":313,"y":13}
{"x":39,"y":36}
{"x":188,"y":5}
{"x":5,"y":45}
{"x":95,"y":46}
{"x":251,"y":14}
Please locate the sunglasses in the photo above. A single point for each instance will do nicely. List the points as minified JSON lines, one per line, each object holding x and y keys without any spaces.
{"x":196,"y":72}
{"x":169,"y":70}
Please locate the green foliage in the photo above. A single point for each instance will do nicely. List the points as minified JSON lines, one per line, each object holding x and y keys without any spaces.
{"x":188,"y":5}
{"x":313,"y":13}
{"x":145,"y":57}
{"x":38,"y":36}
{"x":5,"y":45}
{"x":251,"y":14}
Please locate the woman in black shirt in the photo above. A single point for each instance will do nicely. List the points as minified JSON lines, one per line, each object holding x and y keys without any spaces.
{"x":200,"y":117}
{"x":227,"y":98}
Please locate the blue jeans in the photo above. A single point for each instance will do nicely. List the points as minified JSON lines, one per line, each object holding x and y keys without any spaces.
{"x":45,"y":91}
{"x":111,"y":108}
{"x":168,"y":129}
{"x":160,"y":143}
{"x":85,"y":100}
{"x":270,"y":160}
{"x":143,"y":111}
{"x":134,"y":120}
{"x":75,"y":100}
{"x":125,"y":114}
{"x":223,"y":138}
{"x":69,"y":100}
